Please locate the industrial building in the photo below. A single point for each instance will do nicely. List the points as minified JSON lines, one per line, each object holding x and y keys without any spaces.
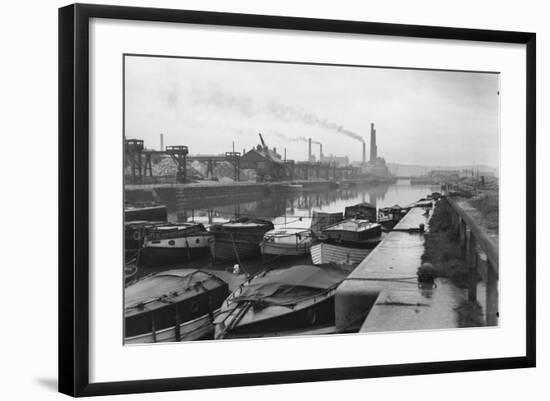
{"x":338,"y":161}
{"x":267,"y":162}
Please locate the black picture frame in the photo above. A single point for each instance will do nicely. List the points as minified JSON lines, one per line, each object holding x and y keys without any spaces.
{"x":74,"y":197}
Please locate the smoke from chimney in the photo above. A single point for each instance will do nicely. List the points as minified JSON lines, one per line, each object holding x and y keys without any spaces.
{"x":287,"y":113}
{"x":248,"y":107}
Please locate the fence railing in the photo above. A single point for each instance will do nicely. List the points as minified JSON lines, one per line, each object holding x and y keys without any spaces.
{"x":481,"y":255}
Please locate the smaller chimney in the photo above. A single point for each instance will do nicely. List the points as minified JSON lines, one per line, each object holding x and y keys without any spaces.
{"x":309,"y":149}
{"x":320,"y":152}
{"x":364,"y":152}
{"x":161,"y":142}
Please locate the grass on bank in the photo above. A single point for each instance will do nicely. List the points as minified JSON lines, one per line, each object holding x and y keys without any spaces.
{"x":487,"y":205}
{"x":442,"y":250}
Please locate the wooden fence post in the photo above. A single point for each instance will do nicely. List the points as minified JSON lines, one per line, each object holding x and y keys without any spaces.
{"x":492,"y":296}
{"x":471,"y":260}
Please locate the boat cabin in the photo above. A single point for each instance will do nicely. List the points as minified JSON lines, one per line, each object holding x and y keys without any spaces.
{"x":364,"y":211}
{"x":175,"y":231}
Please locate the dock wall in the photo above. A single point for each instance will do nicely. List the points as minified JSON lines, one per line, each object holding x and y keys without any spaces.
{"x":172,"y":192}
{"x":383,"y":294}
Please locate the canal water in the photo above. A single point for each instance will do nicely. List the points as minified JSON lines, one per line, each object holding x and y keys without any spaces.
{"x":295,"y":208}
{"x":290,"y":209}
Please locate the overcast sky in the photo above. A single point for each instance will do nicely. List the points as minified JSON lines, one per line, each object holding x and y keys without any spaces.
{"x":421,"y":117}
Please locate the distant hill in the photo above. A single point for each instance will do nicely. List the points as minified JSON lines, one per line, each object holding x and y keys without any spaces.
{"x":413,"y":170}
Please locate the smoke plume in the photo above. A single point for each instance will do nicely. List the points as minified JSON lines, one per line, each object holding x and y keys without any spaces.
{"x":291,"y":138}
{"x":287,"y":113}
{"x":246,"y":106}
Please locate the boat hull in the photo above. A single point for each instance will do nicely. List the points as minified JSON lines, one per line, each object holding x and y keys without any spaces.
{"x":278,"y":249}
{"x":196,"y":329}
{"x":150,"y":257}
{"x":157,"y":305}
{"x":148,"y":213}
{"x":228,"y":250}
{"x":299,"y":318}
{"x":329,"y":253}
{"x":238,"y":239}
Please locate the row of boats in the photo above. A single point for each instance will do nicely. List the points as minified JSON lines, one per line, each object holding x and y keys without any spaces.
{"x":192,"y":304}
{"x":332,"y":237}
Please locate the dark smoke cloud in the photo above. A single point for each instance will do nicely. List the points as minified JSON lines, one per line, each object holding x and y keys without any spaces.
{"x":291,"y":138}
{"x":287,"y":113}
{"x":245,"y":105}
{"x":223,"y":100}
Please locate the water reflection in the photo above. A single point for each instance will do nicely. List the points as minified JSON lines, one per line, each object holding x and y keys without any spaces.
{"x":290,"y":207}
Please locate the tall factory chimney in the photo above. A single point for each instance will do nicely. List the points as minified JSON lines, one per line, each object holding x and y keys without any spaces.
{"x":161,"y":142}
{"x":373,"y":148}
{"x":309,"y":149}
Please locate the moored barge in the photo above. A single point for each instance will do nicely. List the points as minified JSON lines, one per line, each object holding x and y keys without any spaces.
{"x":171,"y":244}
{"x":353,"y":232}
{"x":149,"y":211}
{"x":323,"y":253}
{"x":238,"y":239}
{"x":286,"y":241}
{"x":296,"y":299}
{"x":176,"y":305}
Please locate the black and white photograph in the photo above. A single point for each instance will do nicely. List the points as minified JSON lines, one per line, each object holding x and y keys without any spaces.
{"x":269,"y":199}
{"x":275,"y":201}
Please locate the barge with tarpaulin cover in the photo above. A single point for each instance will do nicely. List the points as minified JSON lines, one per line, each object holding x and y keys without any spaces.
{"x":175,"y":305}
{"x":290,"y":301}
